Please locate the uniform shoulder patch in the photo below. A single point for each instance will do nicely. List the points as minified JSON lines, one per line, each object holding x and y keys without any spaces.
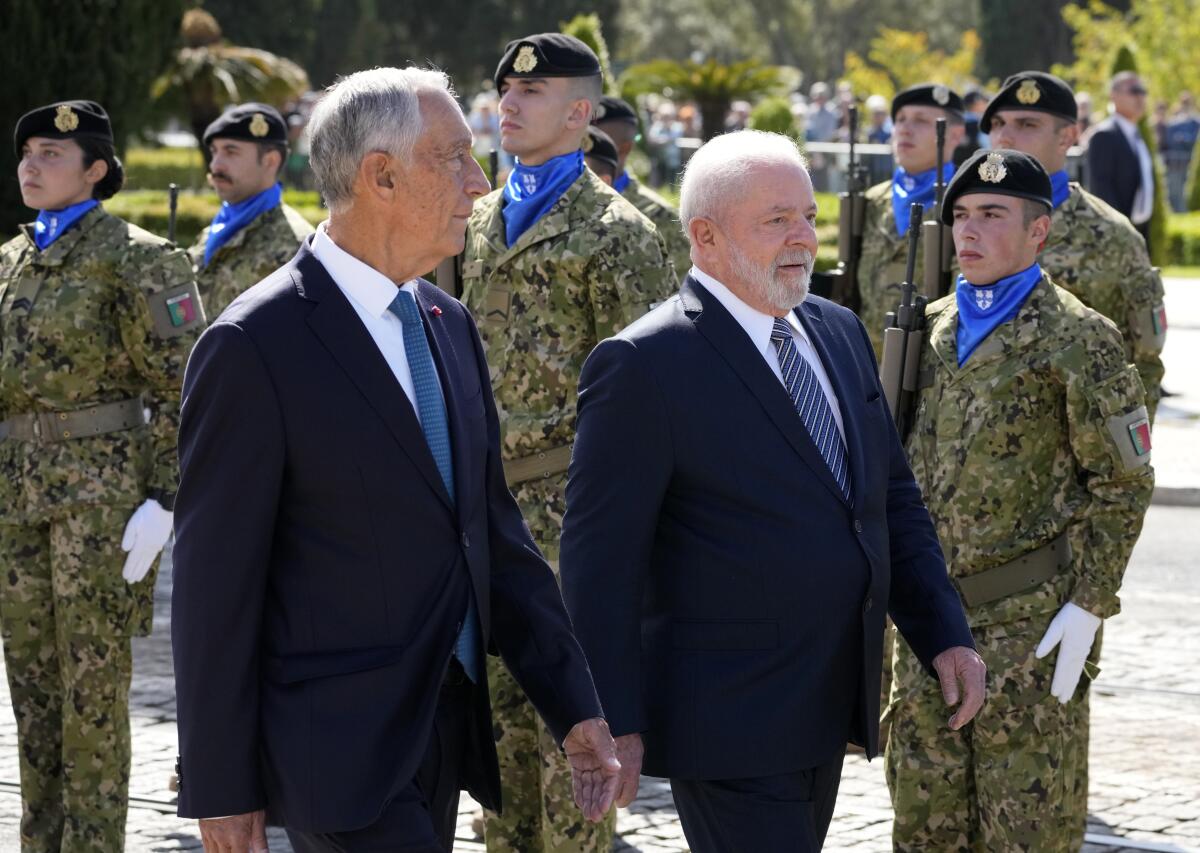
{"x":1131,"y":433}
{"x":175,"y":311}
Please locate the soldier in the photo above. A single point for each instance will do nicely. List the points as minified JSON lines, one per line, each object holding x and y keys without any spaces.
{"x":600,"y":155}
{"x":620,"y":121}
{"x":915,"y":112}
{"x":1093,"y":251}
{"x":1031,"y":443}
{"x":96,"y":321}
{"x":254,"y":233}
{"x":555,"y":262}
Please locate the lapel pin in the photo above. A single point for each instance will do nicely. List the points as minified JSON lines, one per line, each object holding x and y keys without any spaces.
{"x":435,"y":311}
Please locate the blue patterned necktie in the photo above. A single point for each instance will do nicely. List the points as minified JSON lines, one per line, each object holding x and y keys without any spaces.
{"x":811,"y":404}
{"x":431,"y":409}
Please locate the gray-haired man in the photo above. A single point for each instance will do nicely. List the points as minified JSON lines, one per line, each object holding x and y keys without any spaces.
{"x":346,"y":544}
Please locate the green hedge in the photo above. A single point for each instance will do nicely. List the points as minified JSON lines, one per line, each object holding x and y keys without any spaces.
{"x":158,"y":168}
{"x":1183,"y":240}
{"x":149,"y":209}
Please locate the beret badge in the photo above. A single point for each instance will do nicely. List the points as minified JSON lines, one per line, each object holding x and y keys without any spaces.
{"x":65,"y":118}
{"x":526,"y":61}
{"x":992,"y":169}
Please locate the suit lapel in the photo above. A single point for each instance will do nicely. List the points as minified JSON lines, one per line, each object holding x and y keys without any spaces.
{"x":339,"y":328}
{"x":732,"y":344}
{"x":835,"y":354}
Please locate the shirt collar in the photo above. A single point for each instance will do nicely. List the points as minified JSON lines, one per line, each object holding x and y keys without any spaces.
{"x":755,"y":323}
{"x":1127,"y":127}
{"x":366,"y":285}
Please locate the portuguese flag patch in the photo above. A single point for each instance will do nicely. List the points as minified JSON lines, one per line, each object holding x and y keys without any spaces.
{"x":1158,"y":316}
{"x":181,"y":309}
{"x":1139,"y":434}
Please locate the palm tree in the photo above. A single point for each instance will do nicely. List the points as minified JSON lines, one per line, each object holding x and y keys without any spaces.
{"x":207,"y":74}
{"x":712,"y":85}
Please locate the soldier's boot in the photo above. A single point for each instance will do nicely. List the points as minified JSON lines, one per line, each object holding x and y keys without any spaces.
{"x":31,"y":659}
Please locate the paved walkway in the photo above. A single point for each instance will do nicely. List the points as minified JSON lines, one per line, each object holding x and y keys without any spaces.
{"x":1145,"y":783}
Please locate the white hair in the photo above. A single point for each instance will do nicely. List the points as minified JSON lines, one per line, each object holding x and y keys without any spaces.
{"x":718,"y":170}
{"x":375,"y":110}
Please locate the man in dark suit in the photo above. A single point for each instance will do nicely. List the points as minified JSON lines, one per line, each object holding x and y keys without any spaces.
{"x":1119,"y":167}
{"x":346,"y":544}
{"x":740,"y":516}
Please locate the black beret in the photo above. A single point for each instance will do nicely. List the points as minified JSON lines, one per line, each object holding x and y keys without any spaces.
{"x":598,"y":145}
{"x":547,"y":55}
{"x":928,"y":95}
{"x":1032,"y":90}
{"x":253,"y":122}
{"x":614,"y":109}
{"x":1002,"y":171}
{"x":64,"y":120}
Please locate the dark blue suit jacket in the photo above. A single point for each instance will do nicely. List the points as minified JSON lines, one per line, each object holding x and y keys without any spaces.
{"x":1113,"y":171}
{"x":321,"y":572}
{"x":730,"y":602}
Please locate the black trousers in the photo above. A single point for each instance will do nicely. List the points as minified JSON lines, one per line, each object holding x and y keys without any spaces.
{"x":422,"y":818}
{"x":789,"y":812}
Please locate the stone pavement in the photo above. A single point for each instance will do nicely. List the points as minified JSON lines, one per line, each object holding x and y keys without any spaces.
{"x":1145,"y":782}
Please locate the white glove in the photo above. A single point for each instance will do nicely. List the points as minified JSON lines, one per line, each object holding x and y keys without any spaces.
{"x":147,"y":532}
{"x":1075,"y":629}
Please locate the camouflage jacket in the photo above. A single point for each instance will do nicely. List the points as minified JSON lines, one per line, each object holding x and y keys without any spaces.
{"x":1096,"y":254}
{"x":666,"y":219}
{"x":251,"y":255}
{"x":107,"y":313}
{"x":881,"y":266}
{"x":1043,"y":431}
{"x":591,"y":265}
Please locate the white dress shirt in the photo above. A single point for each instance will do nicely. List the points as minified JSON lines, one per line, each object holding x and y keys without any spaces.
{"x":370,"y":293}
{"x":758,"y":326}
{"x":1143,"y":200}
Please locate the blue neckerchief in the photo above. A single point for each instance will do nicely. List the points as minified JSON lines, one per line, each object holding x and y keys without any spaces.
{"x":1060,"y":187}
{"x":52,"y":224}
{"x":532,"y":190}
{"x":981,"y":308}
{"x":908,"y":190}
{"x":621,"y":182}
{"x":232,"y":218}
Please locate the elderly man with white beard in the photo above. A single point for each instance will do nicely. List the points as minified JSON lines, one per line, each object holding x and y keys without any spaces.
{"x":740,"y":516}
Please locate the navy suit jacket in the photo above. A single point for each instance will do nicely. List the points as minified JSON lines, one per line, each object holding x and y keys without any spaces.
{"x":1113,"y":171}
{"x":729,"y":600}
{"x":321,"y":571}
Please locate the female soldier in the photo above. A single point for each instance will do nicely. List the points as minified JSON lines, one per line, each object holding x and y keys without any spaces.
{"x":96,"y":321}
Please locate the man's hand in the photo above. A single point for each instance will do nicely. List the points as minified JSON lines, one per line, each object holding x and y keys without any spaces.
{"x":595,"y":771}
{"x":629,"y":753}
{"x":237,"y":834}
{"x":1075,"y":629}
{"x":962,"y":674}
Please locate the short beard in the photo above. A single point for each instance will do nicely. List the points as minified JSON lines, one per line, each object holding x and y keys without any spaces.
{"x":763,"y":281}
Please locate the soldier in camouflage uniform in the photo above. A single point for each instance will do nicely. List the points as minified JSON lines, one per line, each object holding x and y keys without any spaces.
{"x":555,"y":262}
{"x":620,"y":121}
{"x":1093,"y":251}
{"x":915,"y":112}
{"x":1031,"y":442}
{"x":254,"y":233}
{"x":96,"y":321}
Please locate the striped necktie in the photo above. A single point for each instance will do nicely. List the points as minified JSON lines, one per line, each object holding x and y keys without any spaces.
{"x":811,"y":404}
{"x":432,"y":411}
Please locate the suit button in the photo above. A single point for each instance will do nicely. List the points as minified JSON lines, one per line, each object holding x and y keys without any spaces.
{"x":858,"y":527}
{"x":466,"y":539}
{"x":867,"y":605}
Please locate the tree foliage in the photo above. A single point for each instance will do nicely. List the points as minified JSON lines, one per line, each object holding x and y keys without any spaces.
{"x":105,"y":51}
{"x":774,"y":115}
{"x":589,"y":30}
{"x":898,"y":59}
{"x":1019,"y":35}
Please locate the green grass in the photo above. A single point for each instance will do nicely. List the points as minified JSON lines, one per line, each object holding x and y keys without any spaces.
{"x":1181,"y":272}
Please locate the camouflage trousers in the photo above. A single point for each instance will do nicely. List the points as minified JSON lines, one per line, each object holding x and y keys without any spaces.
{"x":66,"y":616}
{"x":540,"y":815}
{"x":1014,"y":779}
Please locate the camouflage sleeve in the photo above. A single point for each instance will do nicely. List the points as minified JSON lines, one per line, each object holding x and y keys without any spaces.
{"x":628,"y":275}
{"x":1146,"y":320}
{"x":160,"y":319}
{"x":1109,"y":432}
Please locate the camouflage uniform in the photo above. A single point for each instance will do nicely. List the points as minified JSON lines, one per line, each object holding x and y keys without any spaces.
{"x":588,"y":267}
{"x":666,"y":219}
{"x":1033,"y":444}
{"x":250,"y":255}
{"x":1095,"y":253}
{"x":105,"y":315}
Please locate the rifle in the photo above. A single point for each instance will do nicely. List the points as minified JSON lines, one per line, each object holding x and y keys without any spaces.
{"x":172,"y":209}
{"x":936,"y":281}
{"x":902,"y":341}
{"x":448,"y":273}
{"x":841,"y":284}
